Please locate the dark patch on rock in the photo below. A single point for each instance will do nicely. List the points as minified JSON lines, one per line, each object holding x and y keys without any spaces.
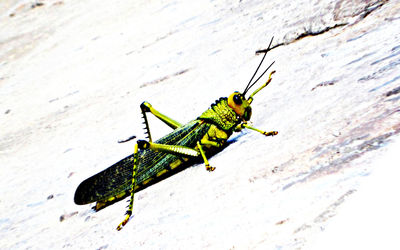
{"x":394,"y":91}
{"x":327,"y":83}
{"x":66,"y":216}
{"x":281,"y":222}
{"x":103,"y":247}
{"x":328,"y":213}
{"x":164,"y":78}
{"x":36,"y":4}
{"x":386,"y":83}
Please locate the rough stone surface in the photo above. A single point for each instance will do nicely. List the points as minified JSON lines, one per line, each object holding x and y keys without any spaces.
{"x":72,"y":77}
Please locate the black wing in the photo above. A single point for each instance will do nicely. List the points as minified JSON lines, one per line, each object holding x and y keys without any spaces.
{"x":115,"y":181}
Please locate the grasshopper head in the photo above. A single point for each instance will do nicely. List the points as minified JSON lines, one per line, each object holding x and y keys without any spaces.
{"x":238,"y":102}
{"x":240,"y":105}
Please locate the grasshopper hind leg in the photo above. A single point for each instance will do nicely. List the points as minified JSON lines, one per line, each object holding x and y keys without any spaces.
{"x":147,"y":107}
{"x":132,"y":190}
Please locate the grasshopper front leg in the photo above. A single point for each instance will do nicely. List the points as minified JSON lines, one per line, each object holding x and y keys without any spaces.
{"x":245,"y":125}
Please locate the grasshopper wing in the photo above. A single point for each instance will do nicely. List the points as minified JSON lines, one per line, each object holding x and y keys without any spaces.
{"x":109,"y":182}
{"x":113,"y":183}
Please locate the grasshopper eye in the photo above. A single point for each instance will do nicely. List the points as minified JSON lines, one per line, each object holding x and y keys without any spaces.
{"x":237,"y":99}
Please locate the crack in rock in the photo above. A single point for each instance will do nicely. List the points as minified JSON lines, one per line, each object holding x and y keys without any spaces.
{"x":161,"y":79}
{"x":328,"y":213}
{"x":337,"y":164}
{"x":343,"y":13}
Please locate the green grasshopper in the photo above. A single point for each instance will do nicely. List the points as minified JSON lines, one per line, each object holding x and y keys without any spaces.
{"x":155,"y":161}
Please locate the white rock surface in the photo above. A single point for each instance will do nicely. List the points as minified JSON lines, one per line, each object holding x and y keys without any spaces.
{"x":72,"y":76}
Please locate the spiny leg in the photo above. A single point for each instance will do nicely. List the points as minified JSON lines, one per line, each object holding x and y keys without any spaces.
{"x":147,"y":107}
{"x":172,"y":149}
{"x":132,"y":190}
{"x":176,"y":149}
{"x":146,"y":123}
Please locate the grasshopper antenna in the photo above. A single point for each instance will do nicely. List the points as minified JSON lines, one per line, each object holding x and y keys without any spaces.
{"x":265,"y":51}
{"x":260,"y":76}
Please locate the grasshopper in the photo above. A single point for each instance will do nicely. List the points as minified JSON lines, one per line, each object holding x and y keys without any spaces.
{"x":155,"y":161}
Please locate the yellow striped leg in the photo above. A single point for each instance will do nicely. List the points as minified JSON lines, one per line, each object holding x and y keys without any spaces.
{"x":173,"y":149}
{"x":176,"y":149}
{"x":130,"y":207}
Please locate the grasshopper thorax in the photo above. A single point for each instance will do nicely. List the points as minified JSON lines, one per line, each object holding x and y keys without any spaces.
{"x":240,"y":105}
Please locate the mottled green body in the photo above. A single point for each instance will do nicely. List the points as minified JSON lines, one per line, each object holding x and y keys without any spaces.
{"x":112,"y":184}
